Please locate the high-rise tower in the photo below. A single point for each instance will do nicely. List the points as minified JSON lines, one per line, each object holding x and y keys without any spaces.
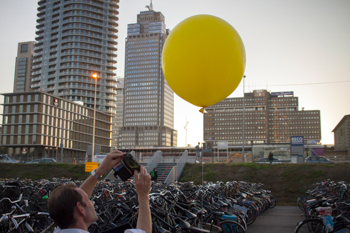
{"x":74,"y":39}
{"x":24,"y":58}
{"x":148,"y":99}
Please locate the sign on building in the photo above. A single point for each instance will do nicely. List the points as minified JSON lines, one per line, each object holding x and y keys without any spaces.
{"x":55,"y":102}
{"x":297,"y":147}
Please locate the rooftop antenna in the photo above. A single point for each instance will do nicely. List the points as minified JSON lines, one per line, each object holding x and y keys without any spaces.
{"x":150,"y":6}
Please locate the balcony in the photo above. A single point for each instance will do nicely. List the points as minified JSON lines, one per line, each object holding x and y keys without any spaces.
{"x":34,"y":86}
{"x":35,"y":79}
{"x":36,"y":72}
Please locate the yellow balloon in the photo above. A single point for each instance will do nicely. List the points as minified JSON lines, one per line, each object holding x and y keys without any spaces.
{"x":203,"y":60}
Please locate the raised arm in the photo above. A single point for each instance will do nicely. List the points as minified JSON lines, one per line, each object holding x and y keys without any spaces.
{"x":143,"y":185}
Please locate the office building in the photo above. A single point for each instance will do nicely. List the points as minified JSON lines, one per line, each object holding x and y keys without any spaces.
{"x":270,"y":118}
{"x":74,"y":39}
{"x":342,"y":135}
{"x":148,"y":99}
{"x":25,"y":51}
{"x":37,"y":123}
{"x":117,"y":121}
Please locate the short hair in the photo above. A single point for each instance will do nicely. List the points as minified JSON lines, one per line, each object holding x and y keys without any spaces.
{"x":61,"y":204}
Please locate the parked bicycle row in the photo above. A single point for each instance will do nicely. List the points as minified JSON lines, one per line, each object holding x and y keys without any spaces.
{"x":178,"y":207}
{"x":326,"y":207}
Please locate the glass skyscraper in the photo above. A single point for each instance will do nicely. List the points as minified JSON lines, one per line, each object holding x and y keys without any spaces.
{"x":148,"y":99}
{"x":74,"y":39}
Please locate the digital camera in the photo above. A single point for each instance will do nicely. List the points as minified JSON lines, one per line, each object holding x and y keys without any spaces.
{"x":125,"y":168}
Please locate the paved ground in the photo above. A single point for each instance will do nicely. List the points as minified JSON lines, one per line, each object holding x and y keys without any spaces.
{"x":281,"y":219}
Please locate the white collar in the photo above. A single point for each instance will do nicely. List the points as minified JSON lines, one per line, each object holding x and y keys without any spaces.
{"x":70,"y":230}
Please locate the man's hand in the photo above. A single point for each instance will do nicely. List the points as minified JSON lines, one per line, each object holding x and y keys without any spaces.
{"x":142,"y":182}
{"x":109,"y":161}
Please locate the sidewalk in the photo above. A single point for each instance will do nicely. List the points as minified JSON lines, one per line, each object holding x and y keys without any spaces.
{"x":281,"y":219}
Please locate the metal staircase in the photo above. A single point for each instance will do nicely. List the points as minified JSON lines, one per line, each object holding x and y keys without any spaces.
{"x":163,"y":170}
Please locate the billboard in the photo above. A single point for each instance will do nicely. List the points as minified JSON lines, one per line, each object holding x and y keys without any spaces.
{"x":283,"y":93}
{"x":222,"y":145}
{"x":297,"y":140}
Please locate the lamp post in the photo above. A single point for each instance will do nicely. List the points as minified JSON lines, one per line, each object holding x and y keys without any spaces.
{"x":64,"y":105}
{"x":243,"y":155}
{"x":94,"y":76}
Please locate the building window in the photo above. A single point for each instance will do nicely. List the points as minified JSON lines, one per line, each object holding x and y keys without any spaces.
{"x":24,"y":48}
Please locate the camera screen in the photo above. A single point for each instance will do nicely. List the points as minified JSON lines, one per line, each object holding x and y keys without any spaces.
{"x":131,"y":163}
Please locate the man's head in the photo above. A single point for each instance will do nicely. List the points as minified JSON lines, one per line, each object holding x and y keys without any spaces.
{"x":69,"y":205}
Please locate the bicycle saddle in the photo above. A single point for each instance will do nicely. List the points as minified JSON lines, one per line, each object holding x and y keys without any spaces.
{"x":222,"y":204}
{"x":198,"y":211}
{"x":183,"y":224}
{"x":218,"y":214}
{"x":190,"y":215}
{"x":162,"y":230}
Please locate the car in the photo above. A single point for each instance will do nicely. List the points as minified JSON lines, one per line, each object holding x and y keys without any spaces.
{"x":47,"y":160}
{"x":266,"y":160}
{"x":34,"y":161}
{"x":7,"y":159}
{"x":99,"y":158}
{"x":317,"y":159}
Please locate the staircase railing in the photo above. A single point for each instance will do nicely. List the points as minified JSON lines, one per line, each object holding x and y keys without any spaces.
{"x":181,"y":164}
{"x":153,"y":162}
{"x":176,"y":171}
{"x":171,"y":176}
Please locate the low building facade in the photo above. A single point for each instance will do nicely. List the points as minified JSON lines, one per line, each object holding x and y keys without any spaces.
{"x":269,"y":118}
{"x":37,"y":124}
{"x":342,"y":135}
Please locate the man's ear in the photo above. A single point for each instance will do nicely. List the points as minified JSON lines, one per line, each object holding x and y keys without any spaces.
{"x":80,"y":209}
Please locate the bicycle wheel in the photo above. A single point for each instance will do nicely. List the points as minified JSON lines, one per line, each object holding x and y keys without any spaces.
{"x":273,"y":202}
{"x":231,"y":227}
{"x":310,"y":226}
{"x":251,"y":215}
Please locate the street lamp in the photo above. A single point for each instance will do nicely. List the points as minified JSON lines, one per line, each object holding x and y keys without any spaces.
{"x":243,"y":156}
{"x":94,"y":76}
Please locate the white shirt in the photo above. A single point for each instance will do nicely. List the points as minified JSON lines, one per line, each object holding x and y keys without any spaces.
{"x":76,"y":230}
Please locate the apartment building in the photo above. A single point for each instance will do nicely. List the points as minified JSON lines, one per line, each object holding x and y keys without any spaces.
{"x":75,"y":39}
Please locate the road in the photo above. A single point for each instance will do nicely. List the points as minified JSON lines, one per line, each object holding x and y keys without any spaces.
{"x":281,"y":219}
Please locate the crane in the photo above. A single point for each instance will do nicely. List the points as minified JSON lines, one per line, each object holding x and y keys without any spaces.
{"x":186,"y":132}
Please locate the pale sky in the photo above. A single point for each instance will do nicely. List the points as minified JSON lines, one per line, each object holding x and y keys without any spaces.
{"x":291,"y":45}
